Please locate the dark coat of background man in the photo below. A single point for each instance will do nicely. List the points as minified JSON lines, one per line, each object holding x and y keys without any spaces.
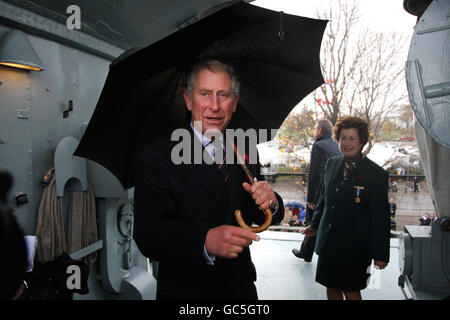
{"x":323,"y":148}
{"x":184,"y":214}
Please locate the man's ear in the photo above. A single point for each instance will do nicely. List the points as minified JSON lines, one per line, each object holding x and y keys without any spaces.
{"x":187,"y":100}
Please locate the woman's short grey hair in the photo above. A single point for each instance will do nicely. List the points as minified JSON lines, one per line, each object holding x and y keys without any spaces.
{"x":325,"y":125}
{"x":213,"y":66}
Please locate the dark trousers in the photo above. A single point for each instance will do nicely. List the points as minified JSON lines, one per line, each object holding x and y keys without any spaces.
{"x":309,"y":214}
{"x":308,"y":244}
{"x":307,"y":248}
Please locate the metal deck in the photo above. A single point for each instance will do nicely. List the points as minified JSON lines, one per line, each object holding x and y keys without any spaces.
{"x":282,"y":276}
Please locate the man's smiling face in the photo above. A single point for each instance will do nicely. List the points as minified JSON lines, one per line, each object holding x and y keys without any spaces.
{"x":211,"y":101}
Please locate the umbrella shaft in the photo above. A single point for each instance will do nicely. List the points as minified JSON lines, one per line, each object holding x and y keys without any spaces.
{"x":247,"y":172}
{"x":243,"y":165}
{"x":240,"y":160}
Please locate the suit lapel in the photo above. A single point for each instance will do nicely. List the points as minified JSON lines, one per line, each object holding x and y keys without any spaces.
{"x":336,"y":170}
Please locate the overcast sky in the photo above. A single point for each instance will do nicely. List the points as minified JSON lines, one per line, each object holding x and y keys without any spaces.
{"x":382,"y":15}
{"x":376,"y":15}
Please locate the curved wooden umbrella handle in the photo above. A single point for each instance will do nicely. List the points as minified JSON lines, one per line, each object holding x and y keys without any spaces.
{"x":264,"y":226}
{"x":238,"y":213}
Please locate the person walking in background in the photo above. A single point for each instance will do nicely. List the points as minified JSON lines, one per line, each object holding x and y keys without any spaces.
{"x":392,"y":211}
{"x":416,"y":184}
{"x":392,"y":208}
{"x":323,"y":148}
{"x":433,"y":217}
{"x":394,"y":186}
{"x":425,"y":220}
{"x":351,"y":218}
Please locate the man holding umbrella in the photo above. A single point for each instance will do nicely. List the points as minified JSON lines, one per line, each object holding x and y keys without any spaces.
{"x":184,"y":214}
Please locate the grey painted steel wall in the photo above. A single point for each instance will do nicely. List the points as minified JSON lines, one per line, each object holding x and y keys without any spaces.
{"x":427,"y":71}
{"x":31,"y":115}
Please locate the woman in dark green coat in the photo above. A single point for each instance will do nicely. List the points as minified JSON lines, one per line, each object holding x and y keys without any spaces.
{"x":351,"y":218}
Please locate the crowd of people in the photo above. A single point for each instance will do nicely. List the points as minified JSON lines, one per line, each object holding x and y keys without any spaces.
{"x":427,"y":219}
{"x":406,"y":183}
{"x":294,"y":216}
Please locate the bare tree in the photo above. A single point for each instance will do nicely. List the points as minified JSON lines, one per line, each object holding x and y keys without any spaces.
{"x":362,"y":72}
{"x":406,"y":115}
{"x":298,"y":128}
{"x":377,"y":81}
{"x":337,"y":62}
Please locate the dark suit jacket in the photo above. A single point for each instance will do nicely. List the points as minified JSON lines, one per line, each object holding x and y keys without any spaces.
{"x":357,"y":231}
{"x":175,"y":206}
{"x":322,"y":149}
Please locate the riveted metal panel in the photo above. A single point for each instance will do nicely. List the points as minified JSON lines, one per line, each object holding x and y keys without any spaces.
{"x":16,"y":147}
{"x":31,"y":115}
{"x":428,"y":71}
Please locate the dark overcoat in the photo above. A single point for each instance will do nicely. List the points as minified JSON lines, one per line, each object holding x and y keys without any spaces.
{"x":322,"y":149}
{"x":175,"y":206}
{"x":351,"y":232}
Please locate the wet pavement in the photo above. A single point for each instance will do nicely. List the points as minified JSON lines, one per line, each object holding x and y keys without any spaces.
{"x":282,"y":276}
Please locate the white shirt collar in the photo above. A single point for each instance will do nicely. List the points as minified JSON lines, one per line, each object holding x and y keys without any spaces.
{"x":205,"y":140}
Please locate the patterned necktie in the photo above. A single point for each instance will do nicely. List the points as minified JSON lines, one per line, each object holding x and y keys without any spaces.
{"x":221,"y":165}
{"x":223,"y":168}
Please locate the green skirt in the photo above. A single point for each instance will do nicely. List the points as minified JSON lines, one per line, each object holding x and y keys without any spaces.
{"x":338,"y":272}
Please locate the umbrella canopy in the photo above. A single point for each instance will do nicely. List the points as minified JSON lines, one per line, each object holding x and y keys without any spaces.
{"x":275,"y":55}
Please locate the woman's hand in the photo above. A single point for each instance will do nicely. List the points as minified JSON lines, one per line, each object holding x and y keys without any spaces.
{"x":380,"y":264}
{"x":309,"y":231}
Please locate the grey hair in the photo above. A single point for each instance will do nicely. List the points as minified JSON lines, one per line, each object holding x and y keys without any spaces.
{"x":325,"y":125}
{"x":213,"y":66}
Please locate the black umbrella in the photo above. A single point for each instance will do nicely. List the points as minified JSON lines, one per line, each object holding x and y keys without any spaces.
{"x":276,"y":56}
